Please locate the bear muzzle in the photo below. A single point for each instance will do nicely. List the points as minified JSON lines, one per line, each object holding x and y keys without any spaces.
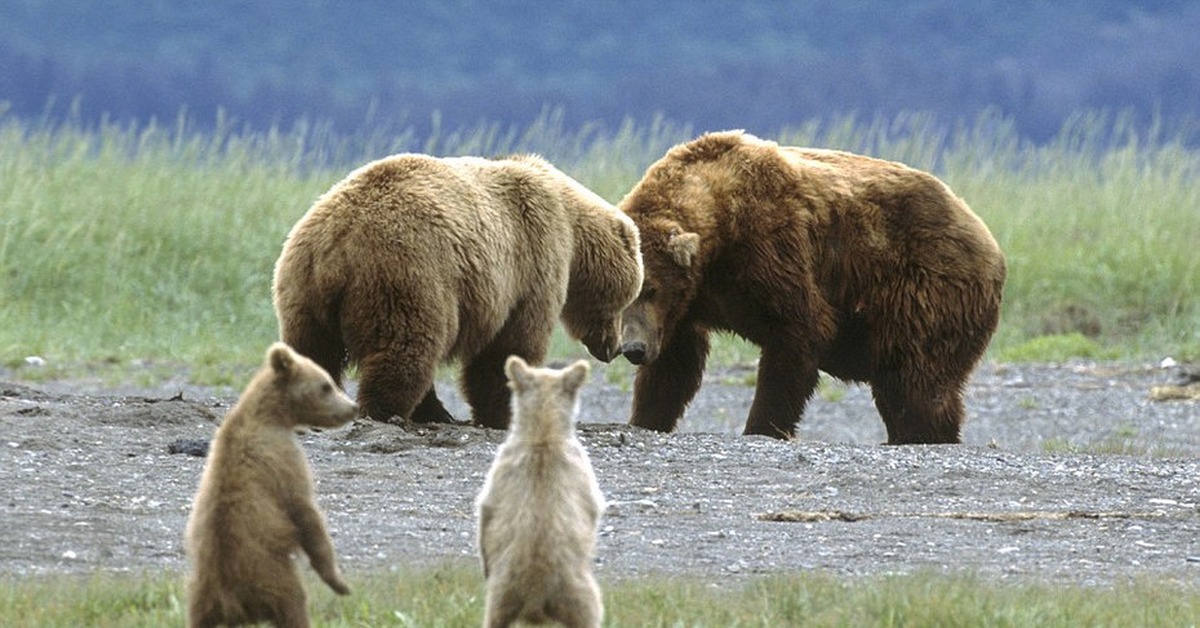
{"x":602,"y":351}
{"x":635,"y":352}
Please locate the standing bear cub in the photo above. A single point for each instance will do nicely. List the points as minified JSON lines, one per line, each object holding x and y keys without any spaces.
{"x":255,"y":505}
{"x":412,"y":260}
{"x":539,"y":508}
{"x":867,"y":269}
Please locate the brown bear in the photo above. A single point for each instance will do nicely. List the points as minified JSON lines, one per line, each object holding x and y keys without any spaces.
{"x":413,"y":260}
{"x":540,"y":506}
{"x":255,"y":504}
{"x":867,"y":269}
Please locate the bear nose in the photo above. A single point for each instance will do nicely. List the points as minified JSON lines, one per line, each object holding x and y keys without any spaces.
{"x":635,"y":352}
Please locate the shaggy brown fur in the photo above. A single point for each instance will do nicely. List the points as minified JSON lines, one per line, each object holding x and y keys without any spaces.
{"x":540,"y":506}
{"x":867,"y":269}
{"x":413,"y":260}
{"x":255,"y":506}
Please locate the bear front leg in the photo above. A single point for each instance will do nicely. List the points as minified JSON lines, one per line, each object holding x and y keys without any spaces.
{"x":663,"y":388}
{"x":484,"y":384}
{"x":785,"y":383}
{"x":315,"y":541}
{"x":486,"y":390}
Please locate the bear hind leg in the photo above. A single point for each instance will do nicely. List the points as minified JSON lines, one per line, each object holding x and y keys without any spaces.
{"x":202,"y":614}
{"x":392,"y":384}
{"x":579,"y":608}
{"x":286,"y":603}
{"x":293,"y":614}
{"x":431,"y":410}
{"x":919,"y":415}
{"x":502,"y":608}
{"x":320,"y":343}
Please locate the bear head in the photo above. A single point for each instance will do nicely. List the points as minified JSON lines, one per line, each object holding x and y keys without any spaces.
{"x":667,"y":291}
{"x":296,"y":391}
{"x":671,"y":206}
{"x":606,"y":276}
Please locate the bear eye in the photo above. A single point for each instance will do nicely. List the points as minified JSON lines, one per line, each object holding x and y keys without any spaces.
{"x":326,"y":388}
{"x":648,"y":293}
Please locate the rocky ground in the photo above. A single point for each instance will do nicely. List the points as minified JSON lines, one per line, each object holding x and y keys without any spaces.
{"x":1068,"y":473}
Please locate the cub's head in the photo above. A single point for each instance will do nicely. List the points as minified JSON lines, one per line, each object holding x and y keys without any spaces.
{"x":301,"y":392}
{"x":545,"y":401}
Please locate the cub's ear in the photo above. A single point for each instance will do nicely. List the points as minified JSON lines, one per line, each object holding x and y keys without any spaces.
{"x":281,"y":358}
{"x":517,"y":371}
{"x":575,"y":376}
{"x":683,"y":247}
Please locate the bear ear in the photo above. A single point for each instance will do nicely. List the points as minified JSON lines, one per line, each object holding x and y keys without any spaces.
{"x":281,"y":358}
{"x":627,"y":232}
{"x":517,"y":371}
{"x":683,"y":247}
{"x":575,"y":376}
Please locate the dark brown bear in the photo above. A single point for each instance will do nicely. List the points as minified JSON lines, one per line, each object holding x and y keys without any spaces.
{"x":867,"y":269}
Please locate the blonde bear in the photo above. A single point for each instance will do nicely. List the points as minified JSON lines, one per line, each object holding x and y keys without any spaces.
{"x":412,"y":261}
{"x":255,"y":505}
{"x":540,"y":506}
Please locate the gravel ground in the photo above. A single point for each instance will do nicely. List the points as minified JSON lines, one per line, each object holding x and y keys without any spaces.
{"x":90,"y":483}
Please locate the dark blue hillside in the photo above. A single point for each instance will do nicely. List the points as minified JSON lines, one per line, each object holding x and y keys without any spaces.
{"x":759,"y":64}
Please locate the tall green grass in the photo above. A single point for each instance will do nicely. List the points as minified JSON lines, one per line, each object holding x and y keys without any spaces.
{"x":453,"y":596}
{"x":157,"y":242}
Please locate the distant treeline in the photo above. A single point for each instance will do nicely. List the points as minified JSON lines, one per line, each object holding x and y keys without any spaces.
{"x":759,"y":64}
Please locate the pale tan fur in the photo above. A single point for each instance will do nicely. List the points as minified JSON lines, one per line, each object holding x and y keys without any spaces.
{"x":412,"y":260}
{"x":255,"y":506}
{"x":540,"y":506}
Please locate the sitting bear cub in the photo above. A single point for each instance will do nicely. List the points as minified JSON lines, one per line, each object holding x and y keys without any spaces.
{"x":540,"y":506}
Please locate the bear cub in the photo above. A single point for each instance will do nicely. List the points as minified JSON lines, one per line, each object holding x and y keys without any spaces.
{"x":255,"y":506}
{"x":540,"y":506}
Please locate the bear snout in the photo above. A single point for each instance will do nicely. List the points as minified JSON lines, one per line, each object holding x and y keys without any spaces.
{"x":602,"y":351}
{"x":635,"y":352}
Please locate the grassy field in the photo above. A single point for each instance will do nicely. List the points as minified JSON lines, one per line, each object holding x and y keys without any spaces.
{"x":452,"y":596}
{"x":141,"y":250}
{"x":155,"y":244}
